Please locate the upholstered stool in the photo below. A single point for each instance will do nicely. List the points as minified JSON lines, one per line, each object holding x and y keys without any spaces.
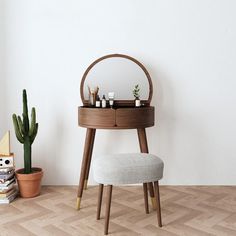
{"x":133,"y":168}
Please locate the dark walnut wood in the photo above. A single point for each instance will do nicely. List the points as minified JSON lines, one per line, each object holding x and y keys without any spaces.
{"x":119,"y":118}
{"x":123,"y":116}
{"x":129,"y":103}
{"x":96,"y":117}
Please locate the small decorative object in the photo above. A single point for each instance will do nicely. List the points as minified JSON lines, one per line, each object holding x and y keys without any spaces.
{"x":104,"y":102}
{"x":93,"y":95}
{"x":111,"y":96}
{"x":5,"y":144}
{"x":8,"y":191}
{"x":98,"y":102}
{"x":137,"y":95}
{"x":28,"y":178}
{"x":6,"y":157}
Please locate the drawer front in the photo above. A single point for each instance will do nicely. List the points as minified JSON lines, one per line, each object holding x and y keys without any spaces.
{"x":135,"y":117}
{"x":96,"y":117}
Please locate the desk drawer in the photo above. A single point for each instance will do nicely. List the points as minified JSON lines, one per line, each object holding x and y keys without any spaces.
{"x":135,"y":117}
{"x":96,"y":117}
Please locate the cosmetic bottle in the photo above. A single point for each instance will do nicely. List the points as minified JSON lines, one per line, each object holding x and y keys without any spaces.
{"x":98,"y":102}
{"x":111,"y":96}
{"x":104,"y":102}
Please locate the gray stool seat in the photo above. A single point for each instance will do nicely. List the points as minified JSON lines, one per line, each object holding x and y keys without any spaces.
{"x":128,"y":168}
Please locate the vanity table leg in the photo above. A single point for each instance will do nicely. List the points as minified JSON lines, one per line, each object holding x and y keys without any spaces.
{"x":86,"y":155}
{"x":144,"y":149}
{"x":89,"y":158}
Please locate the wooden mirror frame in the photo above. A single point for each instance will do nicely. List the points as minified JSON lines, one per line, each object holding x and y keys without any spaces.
{"x":118,"y":103}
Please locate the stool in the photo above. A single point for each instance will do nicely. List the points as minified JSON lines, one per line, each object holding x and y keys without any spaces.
{"x":132,"y":168}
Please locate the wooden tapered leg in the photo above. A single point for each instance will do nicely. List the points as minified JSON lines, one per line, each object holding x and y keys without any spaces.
{"x":152,"y":196}
{"x":100,"y":193}
{"x":144,"y":149}
{"x":108,"y":207}
{"x":87,"y":146}
{"x":145,"y":192}
{"x":157,"y":193}
{"x":89,"y":159}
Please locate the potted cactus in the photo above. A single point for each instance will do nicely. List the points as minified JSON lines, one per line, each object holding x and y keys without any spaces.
{"x":28,"y":178}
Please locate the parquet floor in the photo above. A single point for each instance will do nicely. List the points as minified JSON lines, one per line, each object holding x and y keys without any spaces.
{"x":186,"y":211}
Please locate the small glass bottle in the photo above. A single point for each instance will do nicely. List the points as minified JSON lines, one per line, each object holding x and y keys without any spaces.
{"x":104,"y":102}
{"x":111,"y":96}
{"x":98,"y":102}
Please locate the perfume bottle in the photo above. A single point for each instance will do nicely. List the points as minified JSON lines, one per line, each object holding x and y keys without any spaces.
{"x":111,"y":96}
{"x":104,"y":102}
{"x":98,"y":102}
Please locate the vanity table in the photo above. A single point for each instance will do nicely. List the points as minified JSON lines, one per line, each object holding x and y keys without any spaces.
{"x":124,"y":115}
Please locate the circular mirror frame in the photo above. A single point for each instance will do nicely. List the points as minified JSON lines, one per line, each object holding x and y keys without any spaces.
{"x":118,"y":102}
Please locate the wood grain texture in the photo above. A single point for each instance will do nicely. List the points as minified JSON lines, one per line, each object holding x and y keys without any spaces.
{"x":96,"y":117}
{"x":186,"y":210}
{"x":119,"y":118}
{"x":142,"y":117}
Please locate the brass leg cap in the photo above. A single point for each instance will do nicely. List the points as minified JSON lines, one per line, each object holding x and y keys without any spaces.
{"x":78,"y":203}
{"x":85,"y":184}
{"x":154,"y":203}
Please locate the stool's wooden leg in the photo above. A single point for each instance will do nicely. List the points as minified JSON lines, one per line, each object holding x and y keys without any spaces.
{"x":100,"y":193}
{"x":108,"y":207}
{"x":87,"y":147}
{"x":157,"y":193}
{"x":89,"y":158}
{"x":145,"y":191}
{"x":144,"y":149}
{"x":152,"y":196}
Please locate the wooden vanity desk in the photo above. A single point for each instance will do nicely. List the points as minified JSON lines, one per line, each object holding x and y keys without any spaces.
{"x":123,"y":116}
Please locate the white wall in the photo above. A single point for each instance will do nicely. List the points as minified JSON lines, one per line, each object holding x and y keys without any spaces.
{"x":189,"y":49}
{"x":2,"y":69}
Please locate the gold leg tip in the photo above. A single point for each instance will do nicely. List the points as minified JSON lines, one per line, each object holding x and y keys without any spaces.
{"x":154,"y":203}
{"x":78,"y":203}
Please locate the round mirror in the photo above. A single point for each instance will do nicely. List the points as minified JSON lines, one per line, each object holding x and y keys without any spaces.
{"x":119,"y":74}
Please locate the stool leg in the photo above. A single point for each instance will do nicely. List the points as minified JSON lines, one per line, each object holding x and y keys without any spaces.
{"x":152,"y":196}
{"x":108,"y":207}
{"x":100,"y":192}
{"x":145,"y":192}
{"x":157,"y":193}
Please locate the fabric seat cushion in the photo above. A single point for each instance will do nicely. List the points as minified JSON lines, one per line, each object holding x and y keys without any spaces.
{"x":128,"y":168}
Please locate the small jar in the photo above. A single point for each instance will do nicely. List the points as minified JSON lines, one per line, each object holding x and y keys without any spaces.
{"x":137,"y":103}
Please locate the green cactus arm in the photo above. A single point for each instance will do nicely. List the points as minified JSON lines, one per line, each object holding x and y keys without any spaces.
{"x":21,"y":126}
{"x":25,"y":107}
{"x":33,"y":122}
{"x":34,"y":133}
{"x":25,"y":112}
{"x":17,"y":129}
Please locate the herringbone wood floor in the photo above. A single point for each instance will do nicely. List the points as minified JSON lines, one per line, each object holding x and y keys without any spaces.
{"x":185,"y":211}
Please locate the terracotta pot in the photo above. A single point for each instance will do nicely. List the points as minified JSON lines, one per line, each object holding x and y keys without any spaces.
{"x":29,"y":184}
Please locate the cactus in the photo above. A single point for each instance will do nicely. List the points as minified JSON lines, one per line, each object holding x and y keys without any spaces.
{"x":26,"y":132}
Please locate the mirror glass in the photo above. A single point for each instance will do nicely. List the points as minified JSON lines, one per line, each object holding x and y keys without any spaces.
{"x":118,"y":75}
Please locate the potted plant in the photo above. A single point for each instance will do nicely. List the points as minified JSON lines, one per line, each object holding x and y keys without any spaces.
{"x":136,"y":95}
{"x":28,"y":178}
